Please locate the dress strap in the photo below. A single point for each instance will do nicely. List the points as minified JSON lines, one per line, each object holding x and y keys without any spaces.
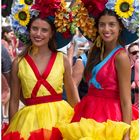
{"x":43,"y":99}
{"x":42,"y":78}
{"x":97,"y":68}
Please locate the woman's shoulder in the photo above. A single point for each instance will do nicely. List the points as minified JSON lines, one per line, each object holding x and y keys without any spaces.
{"x":122,"y":59}
{"x":121,"y":55}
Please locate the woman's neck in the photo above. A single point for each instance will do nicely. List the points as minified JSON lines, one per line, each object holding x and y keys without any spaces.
{"x":40,"y":50}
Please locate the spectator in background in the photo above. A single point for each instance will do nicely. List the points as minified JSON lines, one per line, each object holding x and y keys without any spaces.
{"x":78,"y":41}
{"x":5,"y":77}
{"x":133,"y":51}
{"x":135,"y":84}
{"x":9,"y":40}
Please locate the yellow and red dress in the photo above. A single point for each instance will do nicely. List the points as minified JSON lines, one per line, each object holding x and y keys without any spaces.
{"x":43,"y":96}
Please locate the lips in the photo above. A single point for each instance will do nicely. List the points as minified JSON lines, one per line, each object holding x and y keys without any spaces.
{"x":106,"y":35}
{"x":37,"y":39}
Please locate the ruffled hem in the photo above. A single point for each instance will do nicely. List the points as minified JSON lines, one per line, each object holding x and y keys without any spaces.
{"x":100,"y":110}
{"x":89,"y":129}
{"x":86,"y":129}
{"x":12,"y":136}
{"x":32,"y":118}
{"x":40,"y":134}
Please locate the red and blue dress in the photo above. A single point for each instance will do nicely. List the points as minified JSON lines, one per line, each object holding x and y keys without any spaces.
{"x":99,"y":116}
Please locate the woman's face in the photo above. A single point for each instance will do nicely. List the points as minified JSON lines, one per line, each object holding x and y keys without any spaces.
{"x":109,"y":28}
{"x":40,"y":32}
{"x":10,"y":35}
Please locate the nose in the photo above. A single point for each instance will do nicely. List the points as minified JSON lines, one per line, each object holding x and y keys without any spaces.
{"x":106,"y":28}
{"x":38,"y":32}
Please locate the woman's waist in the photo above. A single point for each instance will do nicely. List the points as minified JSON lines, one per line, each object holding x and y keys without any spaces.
{"x":105,"y":93}
{"x":43,"y":99}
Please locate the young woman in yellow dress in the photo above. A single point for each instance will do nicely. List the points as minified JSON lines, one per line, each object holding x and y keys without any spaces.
{"x":38,"y":75}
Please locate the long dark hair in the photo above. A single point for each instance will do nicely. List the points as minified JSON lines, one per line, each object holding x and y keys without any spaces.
{"x":94,"y":54}
{"x":52,"y":42}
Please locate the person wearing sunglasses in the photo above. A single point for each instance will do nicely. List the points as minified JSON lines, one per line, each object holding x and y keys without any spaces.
{"x":133,"y":51}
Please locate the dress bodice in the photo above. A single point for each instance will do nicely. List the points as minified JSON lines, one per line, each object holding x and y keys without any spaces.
{"x":104,"y":79}
{"x":50,"y":81}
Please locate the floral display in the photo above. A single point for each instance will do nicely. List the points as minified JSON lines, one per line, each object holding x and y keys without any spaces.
{"x":128,"y":11}
{"x":124,"y":8}
{"x":94,"y":7}
{"x":56,"y":11}
{"x":46,"y":7}
{"x":83,"y":21}
{"x":26,"y":2}
{"x":20,"y":18}
{"x":63,"y":20}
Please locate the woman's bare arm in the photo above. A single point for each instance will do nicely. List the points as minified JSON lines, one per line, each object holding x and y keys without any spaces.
{"x":124,"y":75}
{"x":15,"y":90}
{"x":70,"y":87}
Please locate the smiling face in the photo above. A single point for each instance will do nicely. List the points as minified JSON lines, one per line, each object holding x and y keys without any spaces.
{"x":109,"y":28}
{"x":40,"y":32}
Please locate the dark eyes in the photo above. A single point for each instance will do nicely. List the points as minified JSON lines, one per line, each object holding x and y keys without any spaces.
{"x":44,"y":30}
{"x":34,"y":28}
{"x":111,"y":24}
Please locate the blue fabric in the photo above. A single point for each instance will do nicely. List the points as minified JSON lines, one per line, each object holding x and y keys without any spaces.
{"x":99,"y":66}
{"x":84,"y":59}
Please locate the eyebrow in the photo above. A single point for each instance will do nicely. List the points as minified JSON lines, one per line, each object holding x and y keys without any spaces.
{"x":108,"y":22}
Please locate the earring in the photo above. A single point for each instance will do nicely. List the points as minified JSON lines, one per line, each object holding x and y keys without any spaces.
{"x":99,"y":43}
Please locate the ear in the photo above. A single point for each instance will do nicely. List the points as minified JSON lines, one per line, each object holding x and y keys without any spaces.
{"x":5,"y":34}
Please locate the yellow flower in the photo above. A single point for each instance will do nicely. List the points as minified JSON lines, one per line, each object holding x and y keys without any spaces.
{"x":23,"y":16}
{"x":62,"y":21}
{"x":124,"y":8}
{"x":26,"y":2}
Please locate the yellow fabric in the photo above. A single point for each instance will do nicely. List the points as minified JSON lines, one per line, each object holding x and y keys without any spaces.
{"x":116,"y":130}
{"x":31,"y":117}
{"x":134,"y":135}
{"x":45,"y":115}
{"x":55,"y":78}
{"x":89,"y":129}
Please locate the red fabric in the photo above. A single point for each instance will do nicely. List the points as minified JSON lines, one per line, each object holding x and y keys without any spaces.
{"x":135,"y":113}
{"x":43,"y":99}
{"x":95,"y":7}
{"x":56,"y":134}
{"x":41,"y":134}
{"x":12,"y":136}
{"x":46,"y":7}
{"x":98,"y":108}
{"x":4,"y":127}
{"x":102,"y":101}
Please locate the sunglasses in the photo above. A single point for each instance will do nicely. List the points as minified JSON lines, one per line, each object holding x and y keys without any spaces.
{"x":134,"y":52}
